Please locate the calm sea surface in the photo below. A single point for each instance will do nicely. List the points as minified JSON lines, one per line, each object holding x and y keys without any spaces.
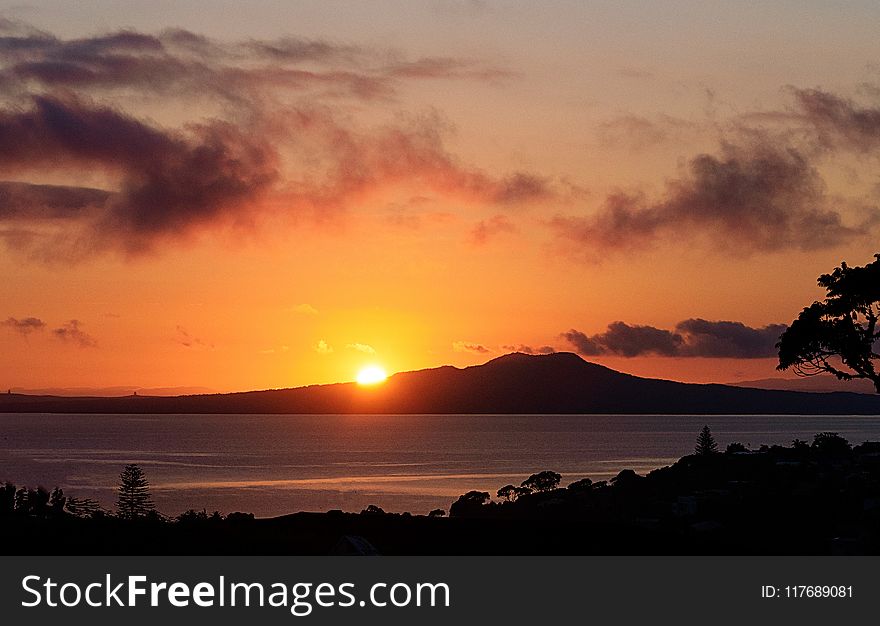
{"x":273,"y":464}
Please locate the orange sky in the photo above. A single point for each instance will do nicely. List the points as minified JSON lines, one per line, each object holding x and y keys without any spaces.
{"x":280,"y":198}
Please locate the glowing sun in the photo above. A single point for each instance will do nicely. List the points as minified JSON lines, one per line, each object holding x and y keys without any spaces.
{"x":371,"y":375}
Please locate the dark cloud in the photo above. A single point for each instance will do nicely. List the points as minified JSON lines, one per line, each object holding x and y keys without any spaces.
{"x":625,"y":340}
{"x":73,"y":333}
{"x":276,"y":139}
{"x":728,"y":339}
{"x":174,"y":182}
{"x":529,"y":349}
{"x":522,"y":188}
{"x":690,"y":338}
{"x":486,"y":229}
{"x":24,"y":200}
{"x":179,"y":61}
{"x":170,"y":181}
{"x":24,"y":326}
{"x":839,"y":122}
{"x":756,"y":197}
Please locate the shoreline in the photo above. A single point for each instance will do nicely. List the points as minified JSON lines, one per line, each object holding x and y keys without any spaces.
{"x":807,"y":498}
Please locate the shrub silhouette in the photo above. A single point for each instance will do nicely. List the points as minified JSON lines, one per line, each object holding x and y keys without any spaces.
{"x":437,"y":513}
{"x":584,"y":484}
{"x":830,"y":444}
{"x":734,"y":446}
{"x":192,"y":516}
{"x":134,"y":494}
{"x":469,"y":503}
{"x":625,"y":478}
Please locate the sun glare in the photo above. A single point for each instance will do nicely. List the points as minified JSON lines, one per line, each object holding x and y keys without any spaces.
{"x":371,"y":375}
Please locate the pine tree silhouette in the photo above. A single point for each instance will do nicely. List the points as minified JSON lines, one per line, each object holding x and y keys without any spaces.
{"x":134,"y":494}
{"x":705,"y":443}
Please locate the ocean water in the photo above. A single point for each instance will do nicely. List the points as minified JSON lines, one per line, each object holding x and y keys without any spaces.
{"x":276,"y":464}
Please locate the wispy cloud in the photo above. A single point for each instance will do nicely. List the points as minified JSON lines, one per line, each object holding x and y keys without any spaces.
{"x":72,"y":332}
{"x":528,"y":349}
{"x":304,"y":309}
{"x":322,"y":347}
{"x":188,"y":340}
{"x":839,"y":123}
{"x":636,"y":132}
{"x":487,"y":229}
{"x":467,"y":346}
{"x":24,"y":326}
{"x":278,"y":350}
{"x":361,"y":347}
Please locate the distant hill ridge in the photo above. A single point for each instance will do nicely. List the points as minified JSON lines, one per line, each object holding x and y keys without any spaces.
{"x":515,"y":383}
{"x":822,"y":384}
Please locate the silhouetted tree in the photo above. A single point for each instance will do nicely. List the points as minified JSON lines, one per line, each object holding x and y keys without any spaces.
{"x":511,"y":493}
{"x":734,"y":446}
{"x":437,"y":513}
{"x":542,"y":481}
{"x":705,"y":443}
{"x":506,"y":492}
{"x":626,"y":478}
{"x":38,"y":501}
{"x":57,"y":501}
{"x":21,"y":501}
{"x":192,"y":516}
{"x":469,"y":503}
{"x":840,"y":329}
{"x":830,"y":444}
{"x":800,"y":445}
{"x":31,"y":501}
{"x":584,"y":484}
{"x":82,"y":507}
{"x":7,"y":499}
{"x":134,"y":494}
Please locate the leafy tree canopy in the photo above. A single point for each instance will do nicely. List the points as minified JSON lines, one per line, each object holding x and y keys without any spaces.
{"x":837,"y":335}
{"x":542,"y":481}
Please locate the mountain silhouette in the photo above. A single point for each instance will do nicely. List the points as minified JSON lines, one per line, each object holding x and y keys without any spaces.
{"x":515,"y":383}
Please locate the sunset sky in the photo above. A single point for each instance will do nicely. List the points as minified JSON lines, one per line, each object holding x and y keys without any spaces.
{"x":281,"y":193}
